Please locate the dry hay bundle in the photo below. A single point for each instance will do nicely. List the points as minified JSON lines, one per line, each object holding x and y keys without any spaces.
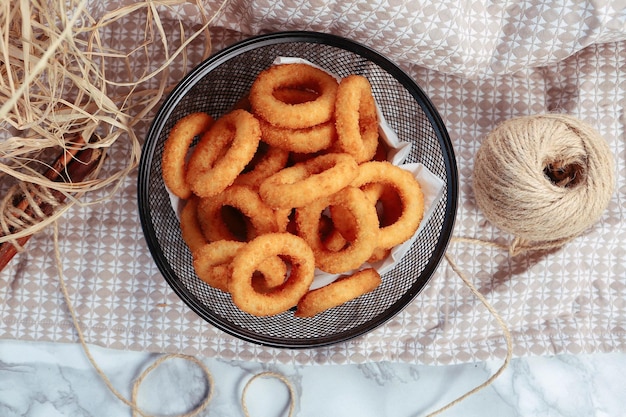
{"x":78,"y":78}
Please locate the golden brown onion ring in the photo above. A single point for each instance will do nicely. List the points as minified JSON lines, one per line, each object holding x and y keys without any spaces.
{"x":282,"y":298}
{"x":366,"y":233}
{"x":338,"y":292}
{"x":212,"y":265}
{"x":223,"y":152}
{"x":356,"y":118}
{"x":388,"y":207}
{"x":265,"y":103}
{"x":176,"y":148}
{"x":409,"y":191}
{"x":247,"y":201}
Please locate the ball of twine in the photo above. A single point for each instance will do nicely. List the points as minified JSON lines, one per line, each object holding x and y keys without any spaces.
{"x":545,"y":179}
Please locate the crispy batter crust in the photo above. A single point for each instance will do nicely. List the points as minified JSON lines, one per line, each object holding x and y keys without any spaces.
{"x":176,"y":148}
{"x":338,"y":292}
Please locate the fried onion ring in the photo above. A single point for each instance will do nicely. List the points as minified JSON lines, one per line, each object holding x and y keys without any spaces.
{"x":356,"y":118}
{"x":307,"y":181}
{"x":409,"y":191}
{"x":338,"y":292}
{"x":261,"y":217}
{"x":176,"y":148}
{"x":343,"y":224}
{"x":223,"y":152}
{"x":190,"y":226}
{"x":307,"y":140}
{"x":211,"y":262}
{"x":265,"y":103}
{"x":366,"y":233}
{"x":388,"y":207}
{"x":282,"y":298}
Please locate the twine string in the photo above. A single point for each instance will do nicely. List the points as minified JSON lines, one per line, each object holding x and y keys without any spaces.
{"x":136,"y":410}
{"x":505,"y":329}
{"x":207,"y":374}
{"x":269,"y":374}
{"x":132,"y":403}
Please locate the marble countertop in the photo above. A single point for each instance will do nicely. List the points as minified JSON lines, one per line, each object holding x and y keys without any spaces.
{"x":55,"y":379}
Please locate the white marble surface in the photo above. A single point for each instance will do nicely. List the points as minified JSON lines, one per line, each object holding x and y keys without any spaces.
{"x":51,"y":379}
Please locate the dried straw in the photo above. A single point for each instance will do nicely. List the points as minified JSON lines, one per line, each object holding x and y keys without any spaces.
{"x":64,"y":74}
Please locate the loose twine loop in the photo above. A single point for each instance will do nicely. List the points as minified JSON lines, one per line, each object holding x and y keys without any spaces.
{"x":269,"y":374}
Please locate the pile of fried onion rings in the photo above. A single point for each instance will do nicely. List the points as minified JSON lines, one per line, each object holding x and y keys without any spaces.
{"x":293,"y":179}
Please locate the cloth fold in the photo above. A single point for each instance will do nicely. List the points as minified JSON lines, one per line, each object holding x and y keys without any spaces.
{"x":468,"y":39}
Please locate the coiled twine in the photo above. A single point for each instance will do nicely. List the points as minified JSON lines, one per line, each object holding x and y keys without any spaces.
{"x":545,"y":179}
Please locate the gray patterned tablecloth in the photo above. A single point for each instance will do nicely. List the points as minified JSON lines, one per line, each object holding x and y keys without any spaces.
{"x":481,"y":63}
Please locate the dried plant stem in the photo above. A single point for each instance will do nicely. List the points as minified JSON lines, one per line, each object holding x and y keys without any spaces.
{"x":64,"y":73}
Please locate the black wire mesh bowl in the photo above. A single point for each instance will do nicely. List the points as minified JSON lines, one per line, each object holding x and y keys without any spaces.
{"x":214,"y":87}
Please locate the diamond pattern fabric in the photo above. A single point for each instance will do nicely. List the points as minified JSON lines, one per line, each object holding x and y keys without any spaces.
{"x":481,"y":63}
